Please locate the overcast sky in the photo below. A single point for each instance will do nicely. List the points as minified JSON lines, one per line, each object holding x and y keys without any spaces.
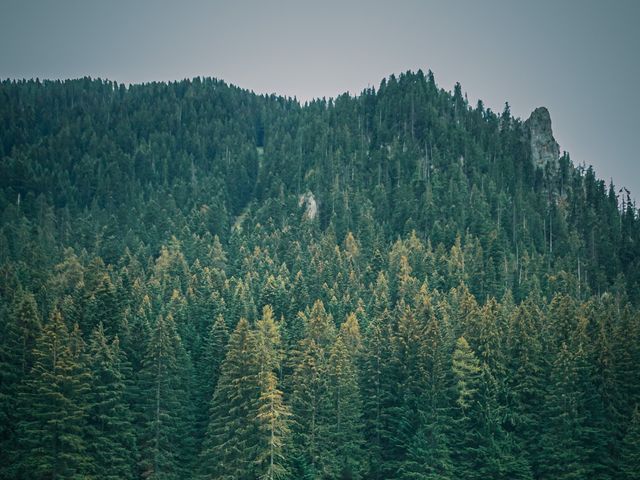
{"x":579,"y":58}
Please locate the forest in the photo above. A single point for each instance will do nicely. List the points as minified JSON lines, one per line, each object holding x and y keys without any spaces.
{"x":200,"y":282}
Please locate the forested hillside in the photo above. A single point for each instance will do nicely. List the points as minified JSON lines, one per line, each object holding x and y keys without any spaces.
{"x":200,"y":282}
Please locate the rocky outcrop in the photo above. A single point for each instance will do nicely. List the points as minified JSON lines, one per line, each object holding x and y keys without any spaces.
{"x":544,"y":148}
{"x":310,"y":205}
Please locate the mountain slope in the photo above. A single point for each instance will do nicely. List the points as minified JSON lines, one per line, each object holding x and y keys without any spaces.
{"x":408,"y":156}
{"x":395,"y":285}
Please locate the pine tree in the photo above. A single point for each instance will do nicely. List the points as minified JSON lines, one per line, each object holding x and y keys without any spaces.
{"x":376,"y":380}
{"x":309,"y":396}
{"x":350,"y":333}
{"x":18,"y":337}
{"x":272,"y":415}
{"x":111,"y":440}
{"x":230,"y":446}
{"x":429,"y":455}
{"x":268,"y":343}
{"x":526,"y":380}
{"x":134,"y":343}
{"x":53,"y":407}
{"x":208,"y":371}
{"x":563,"y":454}
{"x":345,"y":441}
{"x":319,"y":325}
{"x":467,"y":373}
{"x":407,"y":386}
{"x":22,"y":329}
{"x":595,"y":366}
{"x":101,"y":301}
{"x":630,"y":451}
{"x":165,"y":400}
{"x":380,"y":295}
{"x":483,"y":448}
{"x":273,"y":423}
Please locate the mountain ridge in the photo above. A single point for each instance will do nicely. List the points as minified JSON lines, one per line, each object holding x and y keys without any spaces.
{"x":406,"y":140}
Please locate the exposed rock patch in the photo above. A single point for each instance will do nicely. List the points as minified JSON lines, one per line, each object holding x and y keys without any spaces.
{"x":544,"y":148}
{"x":310,"y":204}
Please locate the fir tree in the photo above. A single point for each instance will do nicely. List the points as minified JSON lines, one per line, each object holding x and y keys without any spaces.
{"x":630,"y":451}
{"x":54,"y":405}
{"x":407,"y":385}
{"x":345,"y":439}
{"x":165,"y":402}
{"x":563,"y":455}
{"x":429,"y":455}
{"x":19,"y":334}
{"x":230,"y":447}
{"x":208,"y":371}
{"x":272,"y":415}
{"x":467,"y":375}
{"x":111,"y":439}
{"x":376,"y":380}
{"x":309,"y":396}
{"x":273,"y":423}
{"x":526,"y":380}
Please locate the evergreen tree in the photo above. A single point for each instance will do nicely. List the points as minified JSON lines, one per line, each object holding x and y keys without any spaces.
{"x":22,"y":329}
{"x":111,"y":439}
{"x":376,"y":380}
{"x":406,"y":387}
{"x":345,"y":440}
{"x":18,"y":336}
{"x":165,"y":404}
{"x":564,"y":455}
{"x":53,"y":407}
{"x":429,"y":456}
{"x":230,"y":447}
{"x":526,"y":380}
{"x":273,"y":419}
{"x":312,"y":419}
{"x":630,"y":451}
{"x":272,"y":415}
{"x":208,"y":372}
{"x":467,"y":373}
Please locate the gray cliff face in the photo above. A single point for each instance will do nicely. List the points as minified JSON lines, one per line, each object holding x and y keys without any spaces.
{"x":544,"y":148}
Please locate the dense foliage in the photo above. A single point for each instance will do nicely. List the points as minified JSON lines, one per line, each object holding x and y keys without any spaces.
{"x":200,"y":282}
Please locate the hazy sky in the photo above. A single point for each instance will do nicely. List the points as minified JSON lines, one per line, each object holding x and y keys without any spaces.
{"x":579,"y":58}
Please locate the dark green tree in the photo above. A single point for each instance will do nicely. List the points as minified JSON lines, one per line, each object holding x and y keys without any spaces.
{"x":19,"y":333}
{"x":53,"y":407}
{"x":376,"y":381}
{"x":311,"y":414}
{"x":165,"y":399}
{"x":345,"y":440}
{"x":111,"y":441}
{"x":467,"y":373}
{"x":208,"y":371}
{"x":564,"y":455}
{"x":630,"y":451}
{"x":429,"y":456}
{"x":230,"y":447}
{"x":272,"y":416}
